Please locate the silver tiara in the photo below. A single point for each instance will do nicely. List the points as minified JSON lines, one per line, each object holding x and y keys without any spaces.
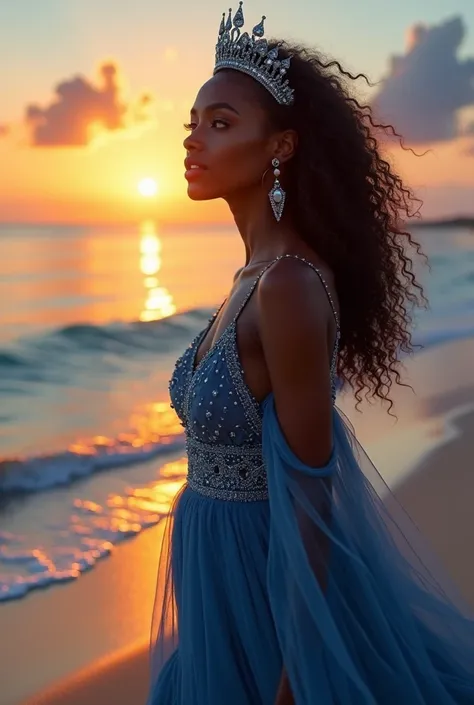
{"x":252,"y":56}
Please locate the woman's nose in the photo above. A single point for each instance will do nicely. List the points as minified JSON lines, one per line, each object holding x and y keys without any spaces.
{"x":192,"y":141}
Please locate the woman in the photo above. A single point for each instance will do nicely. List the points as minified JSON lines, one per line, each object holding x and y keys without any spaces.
{"x":289,"y":579}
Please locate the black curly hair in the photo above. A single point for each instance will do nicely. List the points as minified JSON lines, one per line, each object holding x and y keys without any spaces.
{"x":350,"y":207}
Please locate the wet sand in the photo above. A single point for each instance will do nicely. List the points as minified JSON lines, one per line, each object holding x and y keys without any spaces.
{"x":440,"y":496}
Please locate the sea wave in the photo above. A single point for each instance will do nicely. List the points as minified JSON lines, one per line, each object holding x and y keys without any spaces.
{"x":97,"y":358}
{"x":33,"y":354}
{"x":45,"y":472}
{"x":42,"y":375}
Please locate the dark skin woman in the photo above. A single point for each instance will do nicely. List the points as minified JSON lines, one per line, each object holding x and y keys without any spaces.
{"x":345,"y":214}
{"x":345,"y":217}
{"x":285,"y":583}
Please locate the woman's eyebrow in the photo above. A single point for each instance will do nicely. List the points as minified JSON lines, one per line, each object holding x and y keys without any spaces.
{"x":217,"y":106}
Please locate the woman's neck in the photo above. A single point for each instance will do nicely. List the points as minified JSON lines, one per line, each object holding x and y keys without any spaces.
{"x":264,"y":238}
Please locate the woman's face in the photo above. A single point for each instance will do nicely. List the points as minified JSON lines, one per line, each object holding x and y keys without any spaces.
{"x":229,"y":146}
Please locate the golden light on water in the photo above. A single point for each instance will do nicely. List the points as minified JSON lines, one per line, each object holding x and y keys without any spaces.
{"x":159,"y":302}
{"x":150,"y":423}
{"x":148,"y":187}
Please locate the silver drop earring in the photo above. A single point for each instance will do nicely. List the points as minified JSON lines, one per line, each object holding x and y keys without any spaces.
{"x":277,"y":195}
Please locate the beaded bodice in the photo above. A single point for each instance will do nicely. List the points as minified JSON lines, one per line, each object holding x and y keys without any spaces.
{"x":221,"y":417}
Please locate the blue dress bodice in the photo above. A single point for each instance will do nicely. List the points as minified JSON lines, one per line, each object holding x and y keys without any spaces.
{"x":221,"y":417}
{"x":211,"y":399}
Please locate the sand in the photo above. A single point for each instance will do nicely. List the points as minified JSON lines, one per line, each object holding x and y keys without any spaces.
{"x":440,"y":495}
{"x":102,"y":658}
{"x":56,"y":633}
{"x":119,"y":680}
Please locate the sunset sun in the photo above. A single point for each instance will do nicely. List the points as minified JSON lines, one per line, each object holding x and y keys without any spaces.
{"x":148,"y":187}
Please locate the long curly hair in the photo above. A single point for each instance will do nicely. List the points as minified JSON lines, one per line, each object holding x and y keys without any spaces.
{"x":351,"y":207}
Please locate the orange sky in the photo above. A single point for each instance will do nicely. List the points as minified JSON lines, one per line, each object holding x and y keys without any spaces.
{"x":98,"y":182}
{"x":96,"y":179}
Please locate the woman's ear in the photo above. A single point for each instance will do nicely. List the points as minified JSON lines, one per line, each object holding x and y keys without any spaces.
{"x":286,"y":146}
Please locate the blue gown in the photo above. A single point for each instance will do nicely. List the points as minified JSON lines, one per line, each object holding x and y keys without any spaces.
{"x":268,"y":562}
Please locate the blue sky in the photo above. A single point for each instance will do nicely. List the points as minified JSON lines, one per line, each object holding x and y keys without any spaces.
{"x":46,"y":40}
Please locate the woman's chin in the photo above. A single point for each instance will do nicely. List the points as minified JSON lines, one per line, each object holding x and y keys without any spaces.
{"x":195,"y":193}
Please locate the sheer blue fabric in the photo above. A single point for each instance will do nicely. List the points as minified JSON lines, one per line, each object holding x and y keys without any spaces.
{"x":268,"y":564}
{"x":360,"y":615}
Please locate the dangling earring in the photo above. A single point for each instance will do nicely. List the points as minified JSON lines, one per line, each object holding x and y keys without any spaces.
{"x":277,"y":195}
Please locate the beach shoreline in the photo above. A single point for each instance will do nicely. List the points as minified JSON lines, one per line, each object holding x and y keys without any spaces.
{"x":122,"y":679}
{"x":102,"y":655}
{"x":64,"y":634}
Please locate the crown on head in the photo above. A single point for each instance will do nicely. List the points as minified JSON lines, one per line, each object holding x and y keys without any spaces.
{"x":253,"y":56}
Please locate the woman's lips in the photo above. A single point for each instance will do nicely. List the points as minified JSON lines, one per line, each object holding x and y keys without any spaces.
{"x":194,"y":168}
{"x":194,"y":173}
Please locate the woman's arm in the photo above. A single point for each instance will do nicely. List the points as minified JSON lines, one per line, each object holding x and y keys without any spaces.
{"x":295,"y":320}
{"x":295,"y":323}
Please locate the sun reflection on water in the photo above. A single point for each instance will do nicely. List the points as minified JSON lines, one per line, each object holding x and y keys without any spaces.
{"x":153,"y":423}
{"x":159,"y":302}
{"x":149,"y":425}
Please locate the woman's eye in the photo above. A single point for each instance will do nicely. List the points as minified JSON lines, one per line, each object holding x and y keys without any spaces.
{"x":219,"y":124}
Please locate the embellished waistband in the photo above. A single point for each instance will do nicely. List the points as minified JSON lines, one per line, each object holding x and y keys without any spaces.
{"x":231,"y":473}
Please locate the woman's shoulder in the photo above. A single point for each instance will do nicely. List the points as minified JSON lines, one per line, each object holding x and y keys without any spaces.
{"x":292,"y":290}
{"x":297,"y":277}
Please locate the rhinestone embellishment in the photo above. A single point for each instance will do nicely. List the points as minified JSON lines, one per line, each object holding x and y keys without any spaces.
{"x":231,"y":473}
{"x":252,"y":55}
{"x":224,"y":429}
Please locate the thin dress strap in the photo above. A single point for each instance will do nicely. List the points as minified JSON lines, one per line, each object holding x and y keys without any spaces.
{"x":301,"y":259}
{"x":252,"y":288}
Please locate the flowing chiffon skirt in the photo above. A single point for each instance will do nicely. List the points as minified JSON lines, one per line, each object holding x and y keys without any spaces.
{"x":228,"y":649}
{"x":330,"y":577}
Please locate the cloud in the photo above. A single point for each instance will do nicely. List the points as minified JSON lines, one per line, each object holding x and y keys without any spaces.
{"x":427,"y":86}
{"x":81,"y":110}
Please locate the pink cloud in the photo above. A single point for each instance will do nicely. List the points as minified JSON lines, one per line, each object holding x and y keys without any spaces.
{"x":77,"y":105}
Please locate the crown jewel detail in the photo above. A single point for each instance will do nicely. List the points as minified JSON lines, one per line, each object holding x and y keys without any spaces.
{"x":252,"y":55}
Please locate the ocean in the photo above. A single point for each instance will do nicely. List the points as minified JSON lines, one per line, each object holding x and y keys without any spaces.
{"x":93,"y":319}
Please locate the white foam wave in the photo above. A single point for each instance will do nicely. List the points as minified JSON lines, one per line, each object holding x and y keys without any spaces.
{"x":45,"y":472}
{"x":68,"y":549}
